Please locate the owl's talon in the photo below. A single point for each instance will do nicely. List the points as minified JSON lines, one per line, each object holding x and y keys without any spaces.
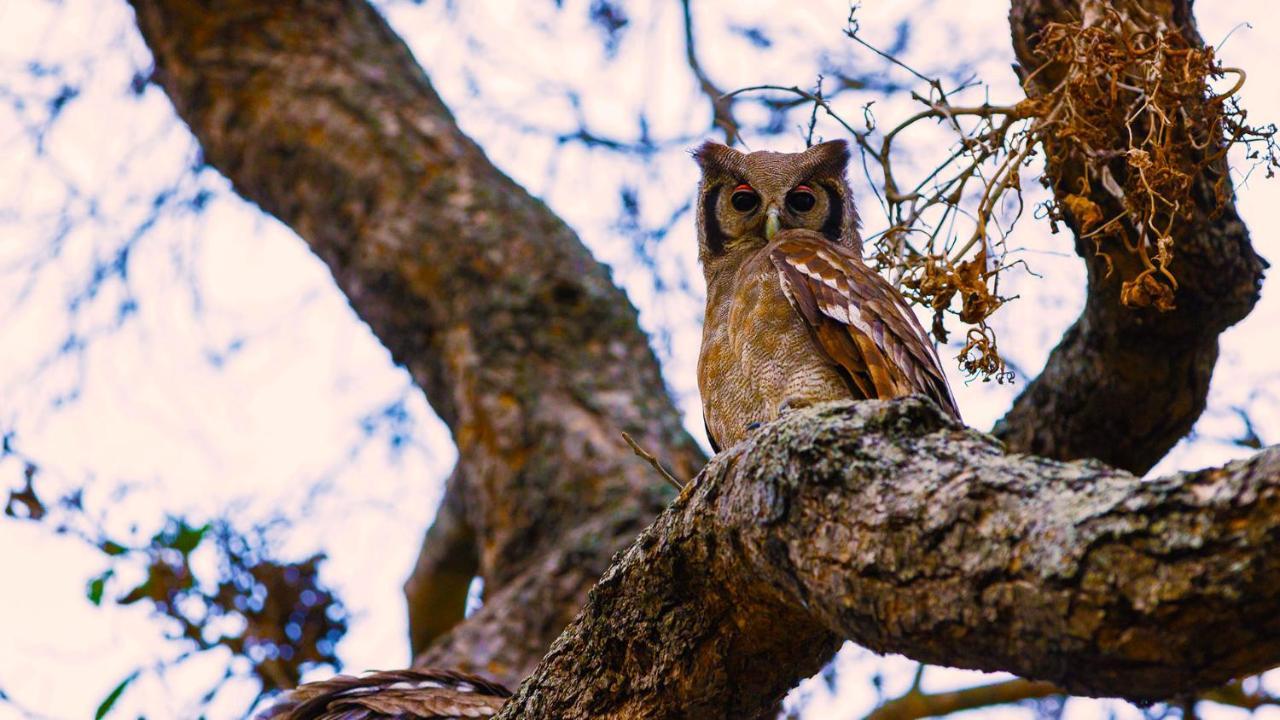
{"x":753,"y":426}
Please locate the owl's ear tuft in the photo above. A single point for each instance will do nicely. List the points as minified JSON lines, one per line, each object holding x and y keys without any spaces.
{"x":711,"y":154}
{"x":832,"y":155}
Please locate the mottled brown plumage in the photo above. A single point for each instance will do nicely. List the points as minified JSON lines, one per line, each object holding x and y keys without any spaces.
{"x":393,"y":695}
{"x":794,"y":317}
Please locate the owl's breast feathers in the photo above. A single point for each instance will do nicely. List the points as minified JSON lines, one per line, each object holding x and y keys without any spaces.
{"x":858,"y":320}
{"x":398,"y":695}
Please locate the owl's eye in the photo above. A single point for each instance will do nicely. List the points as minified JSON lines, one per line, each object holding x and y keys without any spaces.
{"x":801,"y":199}
{"x":744,"y":199}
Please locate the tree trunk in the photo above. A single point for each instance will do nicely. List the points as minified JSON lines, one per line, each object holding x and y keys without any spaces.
{"x":317,"y":112}
{"x":1124,"y":385}
{"x":882,"y":523}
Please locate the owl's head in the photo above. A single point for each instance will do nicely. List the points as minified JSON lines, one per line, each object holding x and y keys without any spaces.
{"x":745,"y":198}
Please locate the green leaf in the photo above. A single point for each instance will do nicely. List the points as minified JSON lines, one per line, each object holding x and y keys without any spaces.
{"x":114,"y":695}
{"x":136,"y":594}
{"x":187,"y":537}
{"x":112,"y":548}
{"x":97,"y":585}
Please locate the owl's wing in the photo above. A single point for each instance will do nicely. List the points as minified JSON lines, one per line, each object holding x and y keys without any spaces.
{"x":859,"y":320}
{"x":397,"y":694}
{"x":715,"y":446}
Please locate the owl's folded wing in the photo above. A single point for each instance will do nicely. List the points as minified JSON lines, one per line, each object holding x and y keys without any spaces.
{"x":402,"y":694}
{"x":859,"y":320}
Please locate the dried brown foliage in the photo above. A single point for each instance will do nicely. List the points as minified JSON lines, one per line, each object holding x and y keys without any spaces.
{"x":277,"y":615}
{"x":283,"y":618}
{"x":1134,"y":109}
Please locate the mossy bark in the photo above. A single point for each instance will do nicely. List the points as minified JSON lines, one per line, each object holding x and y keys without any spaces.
{"x":888,"y":524}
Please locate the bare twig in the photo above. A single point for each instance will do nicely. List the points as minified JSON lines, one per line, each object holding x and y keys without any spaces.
{"x":916,"y":704}
{"x":649,"y":458}
{"x":1116,"y":108}
{"x":813,"y":115}
{"x":721,"y":104}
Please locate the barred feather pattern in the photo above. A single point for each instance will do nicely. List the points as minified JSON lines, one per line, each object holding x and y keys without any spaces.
{"x":425,"y":694}
{"x":859,"y":320}
{"x":794,"y":317}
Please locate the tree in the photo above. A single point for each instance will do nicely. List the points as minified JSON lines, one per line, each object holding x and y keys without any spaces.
{"x":319,"y":114}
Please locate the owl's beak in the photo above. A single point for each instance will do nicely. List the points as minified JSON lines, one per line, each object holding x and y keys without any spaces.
{"x":771,"y":225}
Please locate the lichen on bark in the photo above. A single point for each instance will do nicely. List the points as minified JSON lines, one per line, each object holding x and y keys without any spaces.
{"x":888,"y":524}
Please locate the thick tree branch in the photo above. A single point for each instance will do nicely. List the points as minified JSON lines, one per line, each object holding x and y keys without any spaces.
{"x":1124,"y":385}
{"x":447,"y":563}
{"x":317,"y":112}
{"x":885,"y":523}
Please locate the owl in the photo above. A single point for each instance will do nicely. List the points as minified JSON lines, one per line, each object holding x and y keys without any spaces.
{"x":394,"y":695}
{"x":794,"y":317}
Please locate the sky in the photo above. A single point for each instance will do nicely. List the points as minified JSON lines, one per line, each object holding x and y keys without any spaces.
{"x":170,"y":360}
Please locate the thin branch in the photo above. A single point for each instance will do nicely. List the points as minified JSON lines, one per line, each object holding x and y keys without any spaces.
{"x":916,"y":704}
{"x":649,"y":458}
{"x":1235,"y":695}
{"x":721,"y":104}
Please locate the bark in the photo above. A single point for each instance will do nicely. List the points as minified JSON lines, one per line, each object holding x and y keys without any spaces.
{"x":882,"y":523}
{"x":889,"y":524}
{"x":317,"y":112}
{"x":437,"y":589}
{"x":1125,"y":385}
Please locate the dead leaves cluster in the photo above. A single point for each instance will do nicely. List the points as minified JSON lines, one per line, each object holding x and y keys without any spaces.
{"x":1134,"y":128}
{"x":1133,"y":136}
